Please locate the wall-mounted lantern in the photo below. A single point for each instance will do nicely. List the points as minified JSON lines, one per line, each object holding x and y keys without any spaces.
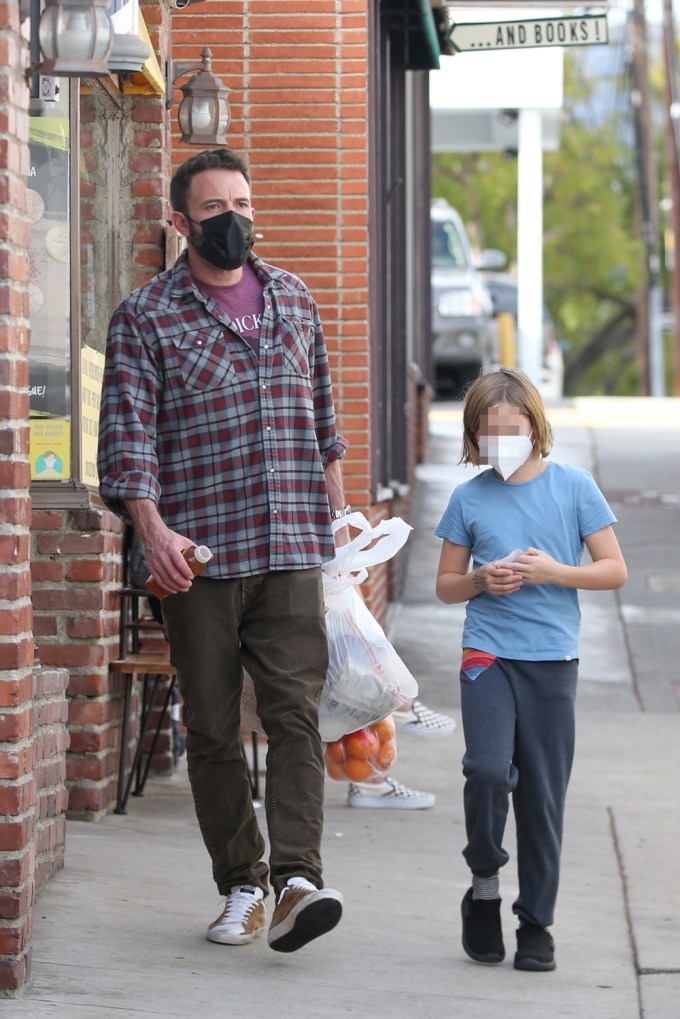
{"x":203,"y":113}
{"x":75,"y":37}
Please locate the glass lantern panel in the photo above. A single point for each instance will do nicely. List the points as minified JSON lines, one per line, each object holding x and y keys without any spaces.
{"x":202,"y":116}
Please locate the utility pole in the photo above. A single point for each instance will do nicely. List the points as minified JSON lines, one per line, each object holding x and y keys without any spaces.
{"x":673,"y":159}
{"x":650,"y":338}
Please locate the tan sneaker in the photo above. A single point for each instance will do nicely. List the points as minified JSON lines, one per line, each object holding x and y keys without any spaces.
{"x":303,"y":913}
{"x":243,"y":918}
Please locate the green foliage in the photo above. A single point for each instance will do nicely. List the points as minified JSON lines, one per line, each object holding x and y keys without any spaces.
{"x":593,"y":258}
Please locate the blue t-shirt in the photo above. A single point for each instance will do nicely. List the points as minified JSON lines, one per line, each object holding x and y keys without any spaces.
{"x":553,"y":512}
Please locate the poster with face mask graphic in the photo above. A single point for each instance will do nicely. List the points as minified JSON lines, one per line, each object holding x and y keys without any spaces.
{"x":50,"y":449}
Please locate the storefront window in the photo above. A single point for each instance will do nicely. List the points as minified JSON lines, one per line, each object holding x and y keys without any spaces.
{"x":73,"y":202}
{"x":50,"y":287}
{"x":99,"y":235}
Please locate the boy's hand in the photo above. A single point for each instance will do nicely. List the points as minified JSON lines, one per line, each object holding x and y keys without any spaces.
{"x":497,"y":579}
{"x":537,"y":567}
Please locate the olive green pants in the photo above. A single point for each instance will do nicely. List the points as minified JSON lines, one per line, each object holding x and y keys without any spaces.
{"x":272,"y":626}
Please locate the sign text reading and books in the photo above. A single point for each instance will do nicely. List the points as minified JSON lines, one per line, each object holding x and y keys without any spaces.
{"x":590,"y":30}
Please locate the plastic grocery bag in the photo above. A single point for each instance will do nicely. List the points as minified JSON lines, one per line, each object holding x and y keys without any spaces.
{"x":366,"y":678}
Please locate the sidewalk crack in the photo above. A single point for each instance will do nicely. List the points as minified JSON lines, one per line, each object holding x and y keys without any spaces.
{"x":626,"y":908}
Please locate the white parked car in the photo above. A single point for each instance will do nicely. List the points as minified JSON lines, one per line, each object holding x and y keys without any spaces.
{"x":464,"y":330}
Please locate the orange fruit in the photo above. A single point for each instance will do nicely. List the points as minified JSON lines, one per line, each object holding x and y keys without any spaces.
{"x":336,"y":751}
{"x":358,"y":771}
{"x":387,"y":755}
{"x":336,"y":771}
{"x":385,"y":729}
{"x":361,"y":744}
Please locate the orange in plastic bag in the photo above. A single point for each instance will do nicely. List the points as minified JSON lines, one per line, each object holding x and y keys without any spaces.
{"x":363,"y":755}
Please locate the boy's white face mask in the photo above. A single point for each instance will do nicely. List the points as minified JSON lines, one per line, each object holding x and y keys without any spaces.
{"x":507,"y":453}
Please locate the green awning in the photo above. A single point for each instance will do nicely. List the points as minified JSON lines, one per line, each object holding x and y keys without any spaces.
{"x":424,"y":29}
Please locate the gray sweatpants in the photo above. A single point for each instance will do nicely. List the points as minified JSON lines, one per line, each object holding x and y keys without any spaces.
{"x":518,"y":719}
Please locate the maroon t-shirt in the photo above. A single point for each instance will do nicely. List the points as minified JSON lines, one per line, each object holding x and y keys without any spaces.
{"x":243,"y":302}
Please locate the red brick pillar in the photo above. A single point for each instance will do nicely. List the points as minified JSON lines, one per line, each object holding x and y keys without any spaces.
{"x":17,"y":715}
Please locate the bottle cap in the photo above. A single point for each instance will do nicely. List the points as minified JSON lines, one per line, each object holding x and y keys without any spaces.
{"x":202,"y":554}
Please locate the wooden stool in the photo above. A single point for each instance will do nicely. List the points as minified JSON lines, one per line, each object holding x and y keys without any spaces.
{"x":153,"y":669}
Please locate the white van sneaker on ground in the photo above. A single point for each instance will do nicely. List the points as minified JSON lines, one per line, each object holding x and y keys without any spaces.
{"x":389,"y":793}
{"x":422,"y":721}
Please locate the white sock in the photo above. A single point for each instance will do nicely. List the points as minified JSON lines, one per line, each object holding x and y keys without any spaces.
{"x":371,"y":788}
{"x":485,"y":887}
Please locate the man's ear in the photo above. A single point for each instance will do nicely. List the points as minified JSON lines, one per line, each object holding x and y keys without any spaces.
{"x":180,"y":223}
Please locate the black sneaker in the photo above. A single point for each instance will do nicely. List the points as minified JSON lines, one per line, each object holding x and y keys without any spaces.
{"x":535,"y":948}
{"x":482,"y":932}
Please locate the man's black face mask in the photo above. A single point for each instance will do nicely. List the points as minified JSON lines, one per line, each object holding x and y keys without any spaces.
{"x":226,"y":241}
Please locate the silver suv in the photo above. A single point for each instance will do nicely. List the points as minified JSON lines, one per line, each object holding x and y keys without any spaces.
{"x":464,"y":331}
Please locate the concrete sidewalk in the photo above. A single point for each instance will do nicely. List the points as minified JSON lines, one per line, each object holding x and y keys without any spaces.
{"x":121,"y":930}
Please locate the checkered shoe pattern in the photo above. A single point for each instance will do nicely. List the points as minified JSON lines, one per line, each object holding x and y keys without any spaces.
{"x":422,"y":721}
{"x":389,"y":794}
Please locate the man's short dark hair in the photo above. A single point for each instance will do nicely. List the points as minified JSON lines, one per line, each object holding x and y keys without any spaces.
{"x":209,"y":159}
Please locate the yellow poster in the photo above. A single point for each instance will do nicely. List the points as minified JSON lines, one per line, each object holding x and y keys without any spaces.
{"x":50,"y":449}
{"x":91,"y":375}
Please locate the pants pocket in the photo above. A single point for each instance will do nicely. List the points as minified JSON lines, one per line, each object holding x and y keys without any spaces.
{"x":475,"y":662}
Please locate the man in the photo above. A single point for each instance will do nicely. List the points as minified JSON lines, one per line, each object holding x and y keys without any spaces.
{"x":218,"y":428}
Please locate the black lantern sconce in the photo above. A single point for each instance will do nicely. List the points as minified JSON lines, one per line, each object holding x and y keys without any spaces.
{"x":75,"y":37}
{"x":203,"y":113}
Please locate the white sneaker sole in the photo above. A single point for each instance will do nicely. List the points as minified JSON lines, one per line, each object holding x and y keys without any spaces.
{"x":422,"y":731}
{"x":387,"y":803}
{"x":224,"y":938}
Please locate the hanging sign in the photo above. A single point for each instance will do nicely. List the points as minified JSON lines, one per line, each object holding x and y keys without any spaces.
{"x":590,"y":30}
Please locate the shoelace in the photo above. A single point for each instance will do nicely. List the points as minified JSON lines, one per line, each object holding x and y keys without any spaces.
{"x":296,"y":882}
{"x":238,"y":907}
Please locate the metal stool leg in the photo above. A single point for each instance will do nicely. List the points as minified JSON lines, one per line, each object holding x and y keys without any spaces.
{"x":121,"y":799}
{"x":139,"y":787}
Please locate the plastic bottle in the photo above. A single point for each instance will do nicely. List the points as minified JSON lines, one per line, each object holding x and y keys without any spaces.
{"x":197,"y":556}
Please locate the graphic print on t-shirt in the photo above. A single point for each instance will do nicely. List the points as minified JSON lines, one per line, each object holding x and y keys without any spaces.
{"x":243,"y":302}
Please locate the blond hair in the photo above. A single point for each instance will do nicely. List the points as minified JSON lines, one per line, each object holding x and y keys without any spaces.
{"x":504,"y":385}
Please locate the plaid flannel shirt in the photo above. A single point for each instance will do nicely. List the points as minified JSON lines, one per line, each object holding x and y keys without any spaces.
{"x":232,"y":449}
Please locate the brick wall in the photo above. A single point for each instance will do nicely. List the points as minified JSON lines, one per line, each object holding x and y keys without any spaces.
{"x":76,"y":568}
{"x":298,"y":74}
{"x":52,"y":739}
{"x":17,"y":714}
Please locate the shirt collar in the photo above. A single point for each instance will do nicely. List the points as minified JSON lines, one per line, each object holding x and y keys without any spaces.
{"x":183,"y":284}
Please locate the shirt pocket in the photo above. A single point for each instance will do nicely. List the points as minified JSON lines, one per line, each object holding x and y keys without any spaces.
{"x":203,"y":358}
{"x":297,"y":336}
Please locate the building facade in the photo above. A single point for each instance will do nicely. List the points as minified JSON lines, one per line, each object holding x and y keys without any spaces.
{"x":329,"y":104}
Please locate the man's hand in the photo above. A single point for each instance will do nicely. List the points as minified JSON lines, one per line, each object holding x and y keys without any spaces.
{"x":342,"y":536}
{"x":162,"y":547}
{"x":163,"y":554}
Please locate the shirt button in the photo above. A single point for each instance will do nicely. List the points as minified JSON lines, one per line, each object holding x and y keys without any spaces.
{"x":264,"y":387}
{"x":199,"y":343}
{"x":272,"y":471}
{"x":269,"y":428}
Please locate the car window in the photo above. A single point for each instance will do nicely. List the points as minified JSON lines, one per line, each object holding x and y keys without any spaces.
{"x":447,"y":249}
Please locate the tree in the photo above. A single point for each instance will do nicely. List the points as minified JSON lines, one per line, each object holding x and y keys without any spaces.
{"x":593,"y":260}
